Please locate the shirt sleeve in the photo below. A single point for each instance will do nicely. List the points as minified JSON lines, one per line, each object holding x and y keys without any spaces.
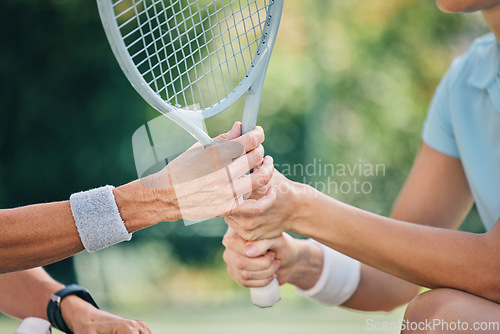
{"x":438,"y":127}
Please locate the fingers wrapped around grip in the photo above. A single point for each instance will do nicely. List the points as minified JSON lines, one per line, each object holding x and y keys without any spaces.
{"x":251,"y":272}
{"x":261,"y":175}
{"x":220,"y":193}
{"x":248,"y":219}
{"x":224,"y":152}
{"x":249,"y":140}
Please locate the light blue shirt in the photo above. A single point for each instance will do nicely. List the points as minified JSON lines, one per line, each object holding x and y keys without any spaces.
{"x":464,"y":122}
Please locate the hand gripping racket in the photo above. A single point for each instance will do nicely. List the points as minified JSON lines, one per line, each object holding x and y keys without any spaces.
{"x":192,"y":59}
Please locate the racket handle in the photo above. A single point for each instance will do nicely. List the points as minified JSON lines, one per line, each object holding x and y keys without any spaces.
{"x":266,"y":296}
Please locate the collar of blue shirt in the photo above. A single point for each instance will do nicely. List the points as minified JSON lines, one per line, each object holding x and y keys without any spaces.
{"x":487,"y":62}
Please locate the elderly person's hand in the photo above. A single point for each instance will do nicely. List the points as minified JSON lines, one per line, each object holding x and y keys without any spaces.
{"x":206,"y":182}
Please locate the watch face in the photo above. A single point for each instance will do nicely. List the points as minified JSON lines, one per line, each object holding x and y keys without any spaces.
{"x":55,"y":299}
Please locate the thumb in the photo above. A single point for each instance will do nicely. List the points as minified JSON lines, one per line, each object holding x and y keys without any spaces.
{"x":260,"y":247}
{"x":234,"y":133}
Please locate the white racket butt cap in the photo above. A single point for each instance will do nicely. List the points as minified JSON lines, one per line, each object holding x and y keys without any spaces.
{"x":266,"y":296}
{"x":33,"y":326}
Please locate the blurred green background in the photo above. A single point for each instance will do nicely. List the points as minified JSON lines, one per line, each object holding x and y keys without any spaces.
{"x":349,"y":84}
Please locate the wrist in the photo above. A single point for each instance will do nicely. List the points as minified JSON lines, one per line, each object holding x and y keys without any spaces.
{"x":75,"y":310}
{"x":307,"y":270}
{"x":68,"y":307}
{"x":142,"y":206}
{"x":300,"y":205}
{"x":339,"y":279}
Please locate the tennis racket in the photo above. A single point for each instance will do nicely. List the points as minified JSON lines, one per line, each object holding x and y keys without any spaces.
{"x":192,"y":59}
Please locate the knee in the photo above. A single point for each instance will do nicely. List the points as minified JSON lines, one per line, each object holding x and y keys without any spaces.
{"x":436,"y":304}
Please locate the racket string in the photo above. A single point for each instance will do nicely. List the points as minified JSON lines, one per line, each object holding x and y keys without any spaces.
{"x":192,"y":52}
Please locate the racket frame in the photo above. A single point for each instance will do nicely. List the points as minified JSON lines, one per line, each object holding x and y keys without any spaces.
{"x":191,"y":120}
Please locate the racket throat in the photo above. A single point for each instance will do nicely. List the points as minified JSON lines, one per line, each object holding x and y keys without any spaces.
{"x":252,"y":103}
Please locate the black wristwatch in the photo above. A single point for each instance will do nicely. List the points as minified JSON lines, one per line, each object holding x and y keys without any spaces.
{"x":54,"y":307}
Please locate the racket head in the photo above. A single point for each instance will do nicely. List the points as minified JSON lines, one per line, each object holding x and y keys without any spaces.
{"x":191,"y":59}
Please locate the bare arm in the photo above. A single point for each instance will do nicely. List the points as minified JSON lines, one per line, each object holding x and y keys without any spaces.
{"x":436,"y":194}
{"x":39,"y":234}
{"x":27,"y":293}
{"x":424,"y":255}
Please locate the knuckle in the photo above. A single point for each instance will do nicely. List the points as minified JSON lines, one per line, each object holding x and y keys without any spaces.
{"x":267,"y":172}
{"x":255,"y":157}
{"x":252,"y":224}
{"x":236,"y":225}
{"x":253,"y":236}
{"x":245,"y":275}
{"x":245,"y":234}
{"x":259,"y":131}
{"x":131,"y":323}
{"x":257,"y":211}
{"x":240,"y":264}
{"x":241,"y":232}
{"x":261,"y":180}
{"x":260,"y":151}
{"x":247,"y":222}
{"x":253,"y":141}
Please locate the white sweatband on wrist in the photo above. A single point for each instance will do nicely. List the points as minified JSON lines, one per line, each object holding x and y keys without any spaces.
{"x":97,"y":218}
{"x":338,"y":281}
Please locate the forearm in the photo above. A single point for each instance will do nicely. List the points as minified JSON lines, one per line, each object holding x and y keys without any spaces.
{"x":36,"y":235}
{"x":379,"y":291}
{"x":426,"y":256}
{"x":40,"y":234}
{"x":26,"y":293}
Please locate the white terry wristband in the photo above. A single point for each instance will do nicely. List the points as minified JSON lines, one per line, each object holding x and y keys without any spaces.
{"x":338,"y":281}
{"x":97,"y":218}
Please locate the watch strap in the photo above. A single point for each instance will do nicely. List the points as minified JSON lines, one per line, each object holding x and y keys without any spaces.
{"x":54,"y":314}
